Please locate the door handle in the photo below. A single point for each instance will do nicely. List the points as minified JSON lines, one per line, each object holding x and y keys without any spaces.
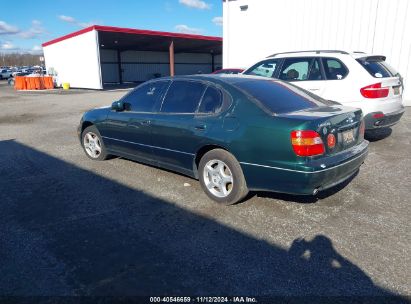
{"x":146,"y":122}
{"x":200,"y":127}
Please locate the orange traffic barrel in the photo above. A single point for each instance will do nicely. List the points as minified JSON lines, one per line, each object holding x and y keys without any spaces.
{"x":48,"y":81}
{"x":37,"y":83}
{"x":33,"y":83}
{"x":18,"y":83}
{"x":30,"y":83}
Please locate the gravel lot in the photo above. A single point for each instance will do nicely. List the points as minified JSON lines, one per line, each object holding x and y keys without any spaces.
{"x":72,"y":226}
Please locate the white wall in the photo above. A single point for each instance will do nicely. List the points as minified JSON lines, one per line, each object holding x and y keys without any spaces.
{"x":142,"y":65}
{"x":270,"y":26}
{"x":76,"y":61}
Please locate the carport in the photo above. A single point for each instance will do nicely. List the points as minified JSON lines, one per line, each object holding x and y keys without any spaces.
{"x":101,"y":55}
{"x":136,"y":55}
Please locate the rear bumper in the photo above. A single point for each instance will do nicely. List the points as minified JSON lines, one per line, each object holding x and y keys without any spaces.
{"x":306,"y":179}
{"x":386,"y":106}
{"x":385,"y":121}
{"x":349,"y":164}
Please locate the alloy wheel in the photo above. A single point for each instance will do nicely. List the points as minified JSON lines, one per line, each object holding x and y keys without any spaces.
{"x":218,"y":178}
{"x":92,"y":144}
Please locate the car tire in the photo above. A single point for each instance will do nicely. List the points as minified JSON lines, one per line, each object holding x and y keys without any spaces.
{"x":93,"y":144}
{"x":221,"y":177}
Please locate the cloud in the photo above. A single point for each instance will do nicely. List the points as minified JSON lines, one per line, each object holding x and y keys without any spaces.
{"x":7,"y":29}
{"x":74,"y":21}
{"x":218,"y":21}
{"x":86,"y":24}
{"x":67,"y":19}
{"x":182,"y":28}
{"x":8,"y":46}
{"x":36,"y":30}
{"x":36,"y":49}
{"x":199,"y":4}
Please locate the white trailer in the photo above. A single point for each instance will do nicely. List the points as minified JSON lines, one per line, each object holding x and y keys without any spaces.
{"x":254,"y":29}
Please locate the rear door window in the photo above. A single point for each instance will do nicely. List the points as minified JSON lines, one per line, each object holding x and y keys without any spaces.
{"x":280,"y":97}
{"x":212,"y":101}
{"x":265,"y":68}
{"x":377,"y":68}
{"x":315,"y":71}
{"x":334,"y":69}
{"x":183,"y":97}
{"x":147,"y":97}
{"x":294,"y":69}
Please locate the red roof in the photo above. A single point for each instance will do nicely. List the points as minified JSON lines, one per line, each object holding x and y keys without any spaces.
{"x":132,"y":31}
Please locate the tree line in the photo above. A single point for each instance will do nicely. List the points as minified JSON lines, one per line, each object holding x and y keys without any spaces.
{"x":20,"y":59}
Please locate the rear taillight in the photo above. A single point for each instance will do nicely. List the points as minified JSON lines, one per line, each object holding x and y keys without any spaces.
{"x":331,"y":141}
{"x":378,"y":115}
{"x":362,"y":130}
{"x":374,"y":91}
{"x":307,"y":143}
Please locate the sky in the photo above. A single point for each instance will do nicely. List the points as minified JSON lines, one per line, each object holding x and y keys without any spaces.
{"x":26,"y":24}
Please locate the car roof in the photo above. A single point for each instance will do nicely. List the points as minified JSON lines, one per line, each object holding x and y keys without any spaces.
{"x":218,"y":78}
{"x":230,"y":69}
{"x":320,"y":53}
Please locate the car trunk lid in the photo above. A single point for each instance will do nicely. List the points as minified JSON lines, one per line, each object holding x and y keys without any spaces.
{"x":342,"y":123}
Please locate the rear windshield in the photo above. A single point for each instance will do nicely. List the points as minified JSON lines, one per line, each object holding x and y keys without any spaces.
{"x":378,"y":68}
{"x":281,"y":97}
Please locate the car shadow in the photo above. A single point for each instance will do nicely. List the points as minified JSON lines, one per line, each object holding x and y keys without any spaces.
{"x":67,"y":231}
{"x":378,"y":134}
{"x":307,"y":199}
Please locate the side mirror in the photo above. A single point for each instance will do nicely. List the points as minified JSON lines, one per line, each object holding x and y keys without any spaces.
{"x":117,"y":106}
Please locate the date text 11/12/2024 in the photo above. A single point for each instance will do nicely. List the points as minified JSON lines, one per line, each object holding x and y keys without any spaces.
{"x":203,"y":300}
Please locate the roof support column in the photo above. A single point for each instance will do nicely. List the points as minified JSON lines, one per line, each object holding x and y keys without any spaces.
{"x":171,"y":53}
{"x":212,"y":62}
{"x":120,"y":70}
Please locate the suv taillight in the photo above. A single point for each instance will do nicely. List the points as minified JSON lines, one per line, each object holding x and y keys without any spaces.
{"x":374,"y":91}
{"x":307,"y":143}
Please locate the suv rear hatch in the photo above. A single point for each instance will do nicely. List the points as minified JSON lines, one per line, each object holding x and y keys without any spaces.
{"x":388,"y":84}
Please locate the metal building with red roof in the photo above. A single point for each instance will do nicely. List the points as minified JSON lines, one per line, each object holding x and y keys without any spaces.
{"x":97,"y":56}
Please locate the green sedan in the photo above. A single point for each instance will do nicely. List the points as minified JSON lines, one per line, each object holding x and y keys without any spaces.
{"x":233,"y":133}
